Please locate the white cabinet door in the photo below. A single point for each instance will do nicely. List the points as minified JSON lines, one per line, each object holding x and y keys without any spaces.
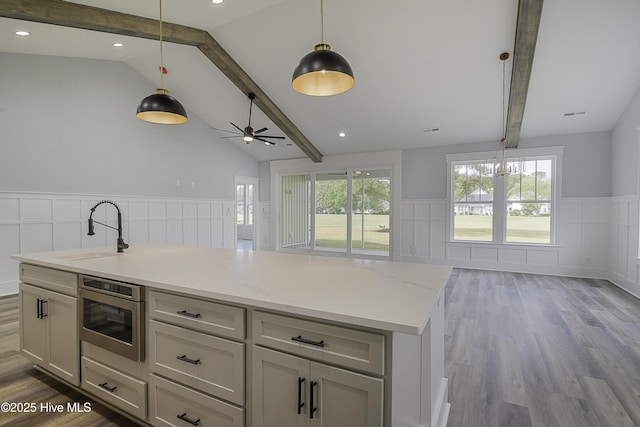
{"x":32,"y":343}
{"x":290,"y":391}
{"x":49,"y":331}
{"x":61,"y":328}
{"x":280,"y":384}
{"x":343,"y":398}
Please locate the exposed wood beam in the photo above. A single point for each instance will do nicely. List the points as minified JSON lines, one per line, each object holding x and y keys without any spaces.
{"x":528,"y":23}
{"x":73,"y":15}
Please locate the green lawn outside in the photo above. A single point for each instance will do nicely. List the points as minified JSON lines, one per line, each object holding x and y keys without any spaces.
{"x":331,"y":231}
{"x":520,"y":229}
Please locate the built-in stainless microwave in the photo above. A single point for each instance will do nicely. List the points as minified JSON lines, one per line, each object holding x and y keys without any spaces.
{"x":112,"y":316}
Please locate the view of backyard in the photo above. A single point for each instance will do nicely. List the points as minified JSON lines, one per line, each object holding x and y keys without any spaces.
{"x":529,"y":229}
{"x":331,"y":231}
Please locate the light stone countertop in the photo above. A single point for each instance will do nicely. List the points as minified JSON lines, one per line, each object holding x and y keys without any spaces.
{"x":384,"y":295}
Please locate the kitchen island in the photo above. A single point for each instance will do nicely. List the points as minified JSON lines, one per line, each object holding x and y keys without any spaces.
{"x":361,"y":341}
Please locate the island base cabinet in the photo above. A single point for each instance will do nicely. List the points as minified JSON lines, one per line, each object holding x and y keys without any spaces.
{"x":48,"y":331}
{"x":290,"y":391}
{"x":172,"y":404}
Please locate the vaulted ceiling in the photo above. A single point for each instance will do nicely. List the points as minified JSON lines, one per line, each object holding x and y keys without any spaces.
{"x":419,"y":65}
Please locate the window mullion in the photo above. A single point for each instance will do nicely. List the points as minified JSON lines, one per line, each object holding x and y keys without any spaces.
{"x":499,"y":209}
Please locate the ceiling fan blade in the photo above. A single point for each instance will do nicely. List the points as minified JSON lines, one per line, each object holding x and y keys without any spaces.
{"x":236,"y":126}
{"x":232,"y":136}
{"x":264,"y":140}
{"x":274,"y":137}
{"x":261,"y":130}
{"x":223,"y":130}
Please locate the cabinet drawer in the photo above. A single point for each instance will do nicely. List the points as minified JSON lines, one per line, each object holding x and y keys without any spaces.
{"x":205,"y":316}
{"x":343,"y":346}
{"x":211,"y":364}
{"x":115,"y":387}
{"x":172,"y":404}
{"x":55,"y":280}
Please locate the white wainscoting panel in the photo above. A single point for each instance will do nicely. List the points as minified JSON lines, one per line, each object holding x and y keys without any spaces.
{"x":31,"y":222}
{"x":583,"y":240}
{"x":265,"y":236}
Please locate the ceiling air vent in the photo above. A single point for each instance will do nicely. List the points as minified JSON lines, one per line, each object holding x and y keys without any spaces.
{"x":427,"y":130}
{"x":575,"y":113}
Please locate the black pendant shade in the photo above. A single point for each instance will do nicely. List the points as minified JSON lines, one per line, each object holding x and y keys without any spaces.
{"x":161,"y":108}
{"x":322,"y":72}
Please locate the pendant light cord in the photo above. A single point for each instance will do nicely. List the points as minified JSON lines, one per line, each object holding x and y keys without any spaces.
{"x":504,"y":128}
{"x":322,"y":21}
{"x":161,"y":53}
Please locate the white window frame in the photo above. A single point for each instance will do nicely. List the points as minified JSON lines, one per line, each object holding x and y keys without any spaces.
{"x":499,"y":191}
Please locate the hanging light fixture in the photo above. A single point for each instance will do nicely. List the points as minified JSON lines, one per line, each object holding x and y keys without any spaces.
{"x":161,"y":107}
{"x":322,"y":72}
{"x":501,"y":167}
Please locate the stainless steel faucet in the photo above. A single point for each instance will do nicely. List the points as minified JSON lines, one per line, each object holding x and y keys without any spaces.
{"x":121,"y":244}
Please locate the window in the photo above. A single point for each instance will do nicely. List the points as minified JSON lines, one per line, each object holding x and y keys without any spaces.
{"x":244,"y":204}
{"x":517,"y":208}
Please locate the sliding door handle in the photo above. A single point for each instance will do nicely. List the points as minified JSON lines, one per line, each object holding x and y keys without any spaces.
{"x":300,"y":402}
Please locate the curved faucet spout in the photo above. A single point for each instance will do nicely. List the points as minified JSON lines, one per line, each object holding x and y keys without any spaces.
{"x":121,"y":244}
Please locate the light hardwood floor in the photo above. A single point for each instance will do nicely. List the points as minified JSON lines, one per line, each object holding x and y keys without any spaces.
{"x":532,"y":350}
{"x":522,"y":350}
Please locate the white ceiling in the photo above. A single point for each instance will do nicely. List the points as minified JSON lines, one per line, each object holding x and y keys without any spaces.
{"x":419,"y":64}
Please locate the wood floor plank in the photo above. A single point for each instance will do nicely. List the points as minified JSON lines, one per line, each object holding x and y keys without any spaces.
{"x":544,"y":351}
{"x":607,"y":406}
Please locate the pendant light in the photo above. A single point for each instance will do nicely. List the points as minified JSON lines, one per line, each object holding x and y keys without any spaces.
{"x":501,"y":168}
{"x":322,"y":72}
{"x":161,"y":107}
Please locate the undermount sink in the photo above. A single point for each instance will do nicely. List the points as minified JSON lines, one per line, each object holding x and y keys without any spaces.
{"x":79,"y":257}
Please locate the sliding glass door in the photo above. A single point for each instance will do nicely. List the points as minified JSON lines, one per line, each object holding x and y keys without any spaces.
{"x":342,"y":211}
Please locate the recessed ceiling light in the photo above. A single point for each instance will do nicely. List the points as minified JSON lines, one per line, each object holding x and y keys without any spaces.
{"x":342,"y":134}
{"x":117,"y":44}
{"x":216,"y":1}
{"x":22,"y":33}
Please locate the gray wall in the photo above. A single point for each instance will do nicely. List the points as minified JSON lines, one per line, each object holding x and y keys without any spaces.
{"x":265,"y":182}
{"x":624,"y":161}
{"x":585,"y":169}
{"x":68,"y":125}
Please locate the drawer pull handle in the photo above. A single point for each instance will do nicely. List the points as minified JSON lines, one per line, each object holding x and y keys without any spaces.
{"x":184,"y":358}
{"x":183,"y":417}
{"x":306,"y":341}
{"x":106,"y":387}
{"x":312,"y":386}
{"x":186,"y":313}
{"x":300,"y":402}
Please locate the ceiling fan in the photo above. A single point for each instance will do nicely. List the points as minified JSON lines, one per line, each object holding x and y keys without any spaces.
{"x":248,"y":133}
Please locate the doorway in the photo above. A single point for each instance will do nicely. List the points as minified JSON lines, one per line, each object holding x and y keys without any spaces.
{"x":246,"y":193}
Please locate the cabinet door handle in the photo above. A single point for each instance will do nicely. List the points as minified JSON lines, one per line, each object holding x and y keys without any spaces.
{"x":186,"y":313}
{"x":184,"y":358}
{"x":300,"y":402}
{"x":42,"y":313}
{"x":184,"y":418}
{"x":39,"y":309}
{"x":106,"y":387}
{"x":313,"y":409}
{"x":306,"y":341}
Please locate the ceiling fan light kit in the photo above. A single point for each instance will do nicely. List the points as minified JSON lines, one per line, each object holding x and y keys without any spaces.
{"x":161,"y":107}
{"x":322,"y":72}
